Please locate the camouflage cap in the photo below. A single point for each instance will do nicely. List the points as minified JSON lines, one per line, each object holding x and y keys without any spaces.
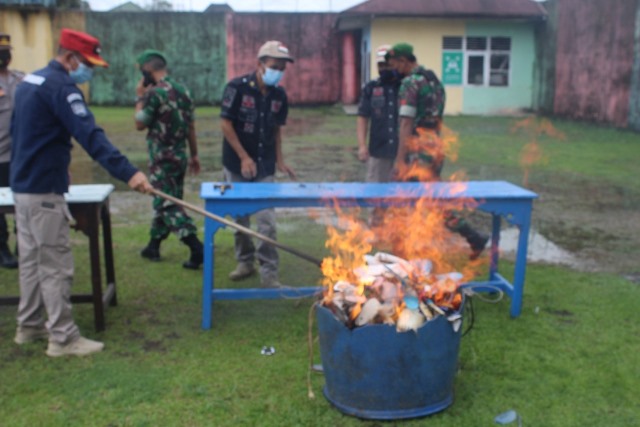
{"x":145,"y":56}
{"x":399,"y":50}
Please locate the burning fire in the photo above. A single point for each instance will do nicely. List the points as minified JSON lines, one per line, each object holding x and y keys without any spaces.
{"x":419,"y":268}
{"x":532,"y":153}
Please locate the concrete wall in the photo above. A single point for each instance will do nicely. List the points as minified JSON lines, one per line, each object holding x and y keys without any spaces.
{"x":634,"y":101}
{"x":519,"y":93}
{"x":194,"y":44}
{"x":315,"y":77}
{"x":426,"y":37}
{"x":545,"y":70}
{"x":594,"y":60}
{"x":31,"y":37}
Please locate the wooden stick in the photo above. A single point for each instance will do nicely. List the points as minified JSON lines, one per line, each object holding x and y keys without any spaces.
{"x":238,"y":227}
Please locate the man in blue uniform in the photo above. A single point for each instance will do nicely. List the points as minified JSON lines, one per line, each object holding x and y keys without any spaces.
{"x":254,"y":108}
{"x":379,"y":106}
{"x":49,"y":109}
{"x":378,"y":111}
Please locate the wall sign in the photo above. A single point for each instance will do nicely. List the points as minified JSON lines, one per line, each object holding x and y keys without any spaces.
{"x":452,"y":68}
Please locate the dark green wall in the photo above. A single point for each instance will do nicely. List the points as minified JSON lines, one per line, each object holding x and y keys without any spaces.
{"x":194,"y":44}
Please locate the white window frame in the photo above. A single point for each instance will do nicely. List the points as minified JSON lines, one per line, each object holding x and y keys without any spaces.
{"x":486,"y":54}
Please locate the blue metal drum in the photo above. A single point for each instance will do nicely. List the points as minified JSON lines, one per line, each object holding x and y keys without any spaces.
{"x":375,"y":372}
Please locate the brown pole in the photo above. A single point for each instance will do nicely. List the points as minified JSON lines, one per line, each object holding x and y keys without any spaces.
{"x":238,"y":227}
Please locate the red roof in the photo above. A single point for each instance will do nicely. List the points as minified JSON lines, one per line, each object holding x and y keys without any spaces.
{"x":527,"y":9}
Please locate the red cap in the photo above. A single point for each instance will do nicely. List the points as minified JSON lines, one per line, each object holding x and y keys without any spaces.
{"x":83,"y":43}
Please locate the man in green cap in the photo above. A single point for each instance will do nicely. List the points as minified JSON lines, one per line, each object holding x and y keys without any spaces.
{"x":422,"y":98}
{"x":164,"y":107}
{"x":9,"y":80}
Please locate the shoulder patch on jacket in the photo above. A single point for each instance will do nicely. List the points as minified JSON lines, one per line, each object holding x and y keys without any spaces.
{"x":33,"y":79}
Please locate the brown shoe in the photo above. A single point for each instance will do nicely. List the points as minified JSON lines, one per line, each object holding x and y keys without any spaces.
{"x":26,"y":334}
{"x":79,"y":347}
{"x":242,"y":271}
{"x":271,"y":281}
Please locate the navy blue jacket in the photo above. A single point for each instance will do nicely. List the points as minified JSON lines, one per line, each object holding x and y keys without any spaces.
{"x":49,"y":109}
{"x":379,"y":103}
{"x":255,"y":118}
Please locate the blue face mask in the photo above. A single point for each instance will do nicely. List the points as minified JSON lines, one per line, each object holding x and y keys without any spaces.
{"x":81,"y":74}
{"x":271,"y":77}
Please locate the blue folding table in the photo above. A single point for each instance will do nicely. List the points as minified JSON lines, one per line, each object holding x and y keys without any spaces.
{"x":499,"y":198}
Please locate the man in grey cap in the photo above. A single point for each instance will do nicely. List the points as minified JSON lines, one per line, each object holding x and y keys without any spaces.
{"x":253,"y":109}
{"x":9,"y":79}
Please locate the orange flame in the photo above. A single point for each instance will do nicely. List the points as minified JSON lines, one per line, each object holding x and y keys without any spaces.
{"x":532,"y":153}
{"x":349,"y":245}
{"x":412,"y":233}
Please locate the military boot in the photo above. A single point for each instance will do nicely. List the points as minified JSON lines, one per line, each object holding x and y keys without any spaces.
{"x":152,"y":250}
{"x":197,"y":252}
{"x":477,"y":241}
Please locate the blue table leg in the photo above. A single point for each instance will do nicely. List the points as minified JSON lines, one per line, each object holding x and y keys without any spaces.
{"x":495,"y":245}
{"x":520,"y":267}
{"x":207,"y":274}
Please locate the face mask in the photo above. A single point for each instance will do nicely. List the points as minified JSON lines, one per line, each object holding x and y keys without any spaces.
{"x":81,"y":74}
{"x":148,"y":78}
{"x":387,"y":75}
{"x":398,"y":75}
{"x":5,"y":58}
{"x":271,"y":77}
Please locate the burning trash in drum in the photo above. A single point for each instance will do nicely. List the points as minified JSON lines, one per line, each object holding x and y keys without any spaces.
{"x":394,"y":291}
{"x":392,"y":298}
{"x":404,"y":271}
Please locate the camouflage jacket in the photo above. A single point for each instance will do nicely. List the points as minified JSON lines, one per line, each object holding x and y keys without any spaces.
{"x":422,"y":98}
{"x":167,"y":112}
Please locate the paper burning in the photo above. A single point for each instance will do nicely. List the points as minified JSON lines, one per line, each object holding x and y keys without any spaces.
{"x":417,"y":272}
{"x":390,"y":290}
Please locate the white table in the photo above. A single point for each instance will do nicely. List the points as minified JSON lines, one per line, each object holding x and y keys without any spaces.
{"x":89,"y":205}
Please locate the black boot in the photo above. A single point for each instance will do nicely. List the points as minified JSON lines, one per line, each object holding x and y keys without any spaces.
{"x":7,"y":260}
{"x":197,"y":252}
{"x":477,"y":241}
{"x":152,"y":250}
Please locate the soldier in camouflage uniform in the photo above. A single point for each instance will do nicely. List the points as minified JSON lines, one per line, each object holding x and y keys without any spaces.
{"x":422,"y":98}
{"x":164,"y":107}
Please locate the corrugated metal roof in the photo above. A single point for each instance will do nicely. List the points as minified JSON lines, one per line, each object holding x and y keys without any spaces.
{"x":527,"y":9}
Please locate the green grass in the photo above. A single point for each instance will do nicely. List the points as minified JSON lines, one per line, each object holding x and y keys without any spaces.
{"x":570,"y":359}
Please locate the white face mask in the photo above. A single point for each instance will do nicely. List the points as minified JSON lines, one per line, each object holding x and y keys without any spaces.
{"x":271,"y":76}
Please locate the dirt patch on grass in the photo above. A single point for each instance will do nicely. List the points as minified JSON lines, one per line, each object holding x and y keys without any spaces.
{"x":597,"y":224}
{"x":586,"y":223}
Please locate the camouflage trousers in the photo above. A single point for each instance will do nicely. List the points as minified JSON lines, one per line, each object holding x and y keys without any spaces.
{"x":169,"y":217}
{"x":431,"y":164}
